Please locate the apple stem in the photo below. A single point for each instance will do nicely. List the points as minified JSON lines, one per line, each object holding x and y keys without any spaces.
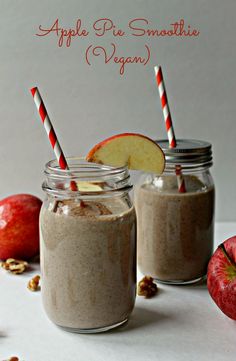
{"x":222,"y":247}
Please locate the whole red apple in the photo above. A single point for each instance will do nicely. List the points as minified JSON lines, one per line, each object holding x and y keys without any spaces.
{"x":221,"y":277}
{"x":19,"y":226}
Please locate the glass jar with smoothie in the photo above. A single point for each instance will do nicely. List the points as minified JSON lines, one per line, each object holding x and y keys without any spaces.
{"x":88,"y":246}
{"x":175,"y":229}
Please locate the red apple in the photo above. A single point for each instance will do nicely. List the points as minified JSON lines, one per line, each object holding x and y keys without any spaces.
{"x":19,"y":226}
{"x":221,"y":277}
{"x":134,"y":150}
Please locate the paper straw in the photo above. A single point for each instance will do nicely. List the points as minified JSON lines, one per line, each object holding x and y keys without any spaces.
{"x":180,"y":179}
{"x":51,"y":133}
{"x":168,"y":123}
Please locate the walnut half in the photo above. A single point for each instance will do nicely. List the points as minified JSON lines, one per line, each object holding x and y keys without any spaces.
{"x":33,"y":284}
{"x":15,"y":266}
{"x":146,"y":287}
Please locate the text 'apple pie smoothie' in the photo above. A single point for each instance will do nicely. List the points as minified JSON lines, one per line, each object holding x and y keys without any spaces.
{"x":88,"y":246}
{"x":175,"y":229}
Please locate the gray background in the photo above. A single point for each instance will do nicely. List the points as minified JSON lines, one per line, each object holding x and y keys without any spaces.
{"x":88,"y":104}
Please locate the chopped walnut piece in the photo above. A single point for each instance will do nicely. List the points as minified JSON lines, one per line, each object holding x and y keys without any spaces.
{"x":146,"y":287}
{"x":15,"y":266}
{"x":33,"y":284}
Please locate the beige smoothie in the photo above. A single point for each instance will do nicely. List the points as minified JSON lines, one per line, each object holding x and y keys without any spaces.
{"x":88,"y":262}
{"x":175,"y":230}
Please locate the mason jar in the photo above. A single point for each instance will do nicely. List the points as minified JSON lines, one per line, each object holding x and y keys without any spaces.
{"x":87,"y":246}
{"x":175,"y":228}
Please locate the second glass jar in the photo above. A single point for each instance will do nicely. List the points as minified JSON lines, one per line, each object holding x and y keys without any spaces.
{"x":175,"y":230}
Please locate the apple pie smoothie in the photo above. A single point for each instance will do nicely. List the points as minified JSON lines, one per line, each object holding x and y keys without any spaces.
{"x":175,"y":230}
{"x":88,"y":249}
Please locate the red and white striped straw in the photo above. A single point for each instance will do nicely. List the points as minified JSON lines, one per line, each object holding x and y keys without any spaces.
{"x":51,"y":133}
{"x":169,"y":124}
{"x":180,"y":179}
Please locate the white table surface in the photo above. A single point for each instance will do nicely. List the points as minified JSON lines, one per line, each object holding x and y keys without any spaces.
{"x":181,"y":323}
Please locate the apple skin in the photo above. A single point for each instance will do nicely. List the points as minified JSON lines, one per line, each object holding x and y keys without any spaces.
{"x":19,"y":226}
{"x":221,"y":277}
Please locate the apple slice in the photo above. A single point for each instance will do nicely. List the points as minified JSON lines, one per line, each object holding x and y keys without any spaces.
{"x":134,"y":150}
{"x":84,"y":186}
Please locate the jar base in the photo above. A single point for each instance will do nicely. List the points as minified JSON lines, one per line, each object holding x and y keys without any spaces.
{"x":94,"y":330}
{"x":180,"y":282}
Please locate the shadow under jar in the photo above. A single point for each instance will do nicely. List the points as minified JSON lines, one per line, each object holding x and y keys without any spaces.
{"x":88,"y":247}
{"x":175,"y":230}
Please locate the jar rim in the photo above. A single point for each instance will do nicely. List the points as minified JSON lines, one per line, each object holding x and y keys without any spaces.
{"x":82,"y":168}
{"x":113,"y":179}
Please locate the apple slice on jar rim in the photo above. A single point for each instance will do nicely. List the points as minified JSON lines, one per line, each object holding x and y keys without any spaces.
{"x":136,"y":151}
